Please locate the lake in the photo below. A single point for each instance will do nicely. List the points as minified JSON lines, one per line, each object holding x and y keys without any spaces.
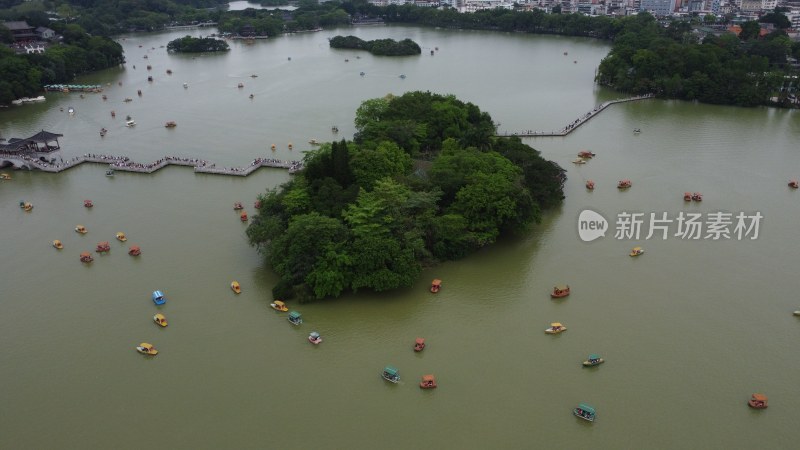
{"x":689,"y":330}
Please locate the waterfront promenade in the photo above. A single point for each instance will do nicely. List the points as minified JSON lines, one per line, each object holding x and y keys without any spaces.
{"x":124,"y":164}
{"x":577,"y":122}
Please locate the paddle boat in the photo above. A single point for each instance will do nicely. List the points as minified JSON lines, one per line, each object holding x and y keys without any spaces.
{"x":290,"y":146}
{"x":103,"y":132}
{"x":636,"y":130}
{"x":160,"y":319}
{"x":102,"y":247}
{"x":279,"y":306}
{"x":585,"y":412}
{"x":295,"y":318}
{"x":130,"y":123}
{"x":555,"y":328}
{"x":113,"y":114}
{"x":792,"y":184}
{"x":110,"y":172}
{"x":150,"y":79}
{"x":86,"y":257}
{"x":146,"y":349}
{"x":436,"y":285}
{"x":186,"y":85}
{"x":273,"y":147}
{"x":5,"y":176}
{"x":169,"y":71}
{"x":390,"y":374}
{"x":257,"y":204}
{"x":243,"y":216}
{"x":313,"y":142}
{"x":121,"y":236}
{"x":139,"y":92}
{"x":403,"y":76}
{"x":590,"y":185}
{"x":624,"y":184}
{"x":578,"y":161}
{"x":170,"y":124}
{"x":251,"y":96}
{"x":698,"y":197}
{"x":235,"y":287}
{"x":560,"y":291}
{"x":687,"y":196}
{"x":796,"y":313}
{"x":237,"y":206}
{"x":314,"y":338}
{"x":158,"y":298}
{"x":57,"y":244}
{"x":593,"y":360}
{"x":585,"y":154}
{"x":81,"y":229}
{"x":428,"y":382}
{"x":26,"y":206}
{"x":419,"y":344}
{"x":253,"y":76}
{"x":134,"y":250}
{"x":240,"y":85}
{"x":636,"y":251}
{"x":758,"y":401}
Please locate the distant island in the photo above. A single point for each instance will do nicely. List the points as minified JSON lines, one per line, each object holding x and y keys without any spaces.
{"x":190,"y":44}
{"x":382,"y":47}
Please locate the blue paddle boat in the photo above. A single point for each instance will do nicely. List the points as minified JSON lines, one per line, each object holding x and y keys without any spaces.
{"x":158,"y":298}
{"x":295,"y":318}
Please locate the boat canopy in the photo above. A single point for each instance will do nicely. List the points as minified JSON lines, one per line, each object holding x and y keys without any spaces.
{"x":562,"y":287}
{"x":556,"y":324}
{"x":420,"y":340}
{"x":390,"y":371}
{"x":158,"y":294}
{"x":594,"y":356}
{"x":436,"y":282}
{"x":314,"y":335}
{"x":760,"y":397}
{"x":279,"y":303}
{"x":426,"y":378}
{"x":294,"y":315}
{"x":85,"y":254}
{"x":586,"y":408}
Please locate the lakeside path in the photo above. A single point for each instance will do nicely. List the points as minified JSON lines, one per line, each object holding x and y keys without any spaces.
{"x":124,"y":164}
{"x":577,"y":122}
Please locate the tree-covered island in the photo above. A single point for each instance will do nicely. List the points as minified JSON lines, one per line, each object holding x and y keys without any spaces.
{"x":423,"y":181}
{"x":188,"y":44}
{"x":381,"y":47}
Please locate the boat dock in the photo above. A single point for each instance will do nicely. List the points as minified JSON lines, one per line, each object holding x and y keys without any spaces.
{"x":577,"y":122}
{"x":124,"y":164}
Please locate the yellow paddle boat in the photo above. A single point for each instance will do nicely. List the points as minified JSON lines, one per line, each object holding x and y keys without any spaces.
{"x":236,"y":288}
{"x":279,"y":306}
{"x":555,"y":328}
{"x":57,"y":244}
{"x":160,"y":319}
{"x":146,"y":349}
{"x":636,"y":251}
{"x":5,"y":176}
{"x":81,"y":229}
{"x":121,"y":237}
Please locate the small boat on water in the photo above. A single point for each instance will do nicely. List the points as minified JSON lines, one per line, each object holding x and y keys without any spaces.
{"x":130,"y":123}
{"x":314,"y":338}
{"x":139,"y":92}
{"x":585,"y":412}
{"x":257,"y":204}
{"x":313,"y":142}
{"x":110,"y":172}
{"x":134,"y":250}
{"x":170,"y":124}
{"x":113,"y":114}
{"x":698,"y":197}
{"x":793,"y":184}
{"x":636,"y":251}
{"x":146,"y":349}
{"x":253,"y":76}
{"x":243,"y":216}
{"x":796,"y":313}
{"x":149,"y":79}
{"x":390,"y":374}
{"x":121,"y":236}
{"x":560,"y":291}
{"x":186,"y":85}
{"x":758,"y":401}
{"x":88,"y":203}
{"x":252,"y":96}
{"x":585,"y":154}
{"x":279,"y":306}
{"x":81,"y":229}
{"x":428,"y":382}
{"x":403,"y":76}
{"x":593,"y":360}
{"x":5,"y":176}
{"x":273,"y":147}
{"x":71,"y":110}
{"x":636,"y":130}
{"x":160,"y":319}
{"x":590,"y":185}
{"x":555,"y":328}
{"x":419,"y":344}
{"x":290,"y":146}
{"x":578,"y":161}
{"x":127,"y":99}
{"x":240,"y":85}
{"x":237,"y":206}
{"x":295,"y":318}
{"x":104,"y":97}
{"x":687,"y":196}
{"x":103,"y":132}
{"x":57,"y":244}
{"x":26,"y":206}
{"x":149,"y":67}
{"x":436,"y":285}
{"x":86,"y":257}
{"x":158,"y":298}
{"x":169,"y":72}
{"x":362,"y":74}
{"x":103,"y":247}
{"x":624,"y":184}
{"x":235,"y":287}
